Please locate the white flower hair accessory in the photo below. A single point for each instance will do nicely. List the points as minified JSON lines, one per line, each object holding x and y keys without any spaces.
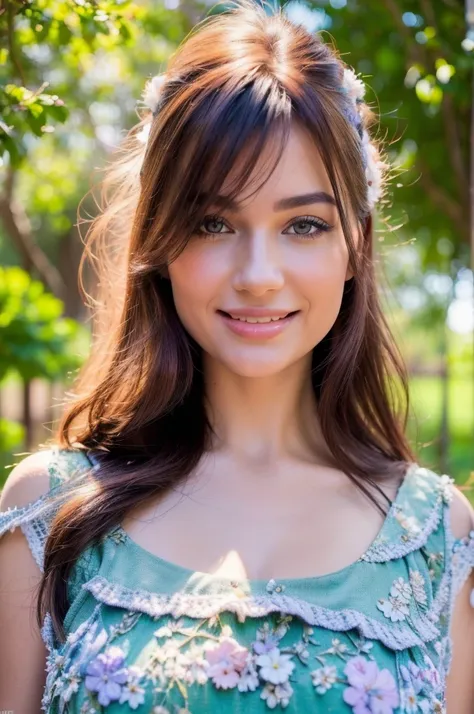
{"x":151,"y":97}
{"x":152,"y":92}
{"x":352,"y":86}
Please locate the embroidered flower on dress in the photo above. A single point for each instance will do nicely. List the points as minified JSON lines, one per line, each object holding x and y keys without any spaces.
{"x":266,"y":639}
{"x":371,"y":691}
{"x":274,"y":587}
{"x":408,"y":523}
{"x":197,"y":665}
{"x":413,"y":676}
{"x":227,"y":660}
{"x":106,"y":675}
{"x":420,"y":688}
{"x":417,"y":583}
{"x":337,"y":648}
{"x":394,"y":608}
{"x":401,"y":589}
{"x":72,"y":681}
{"x":277,"y":694}
{"x":323,"y":678}
{"x":275,"y":667}
{"x":301,"y":651}
{"x":133,"y":693}
{"x":248,"y":681}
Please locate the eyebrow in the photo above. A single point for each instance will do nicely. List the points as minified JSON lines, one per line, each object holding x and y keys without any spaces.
{"x":281,"y":205}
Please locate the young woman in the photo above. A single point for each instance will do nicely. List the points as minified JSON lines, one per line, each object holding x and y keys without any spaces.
{"x":230,"y":517}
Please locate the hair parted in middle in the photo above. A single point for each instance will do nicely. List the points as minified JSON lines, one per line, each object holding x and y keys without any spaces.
{"x":234,"y":86}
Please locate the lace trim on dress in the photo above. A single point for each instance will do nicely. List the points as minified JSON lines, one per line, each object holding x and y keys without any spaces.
{"x":396,"y":636}
{"x":409,"y":535}
{"x":35,"y":518}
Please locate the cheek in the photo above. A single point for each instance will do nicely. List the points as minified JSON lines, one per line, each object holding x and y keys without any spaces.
{"x":195,"y":281}
{"x":320,"y":274}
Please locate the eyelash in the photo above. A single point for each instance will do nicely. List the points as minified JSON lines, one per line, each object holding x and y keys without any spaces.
{"x":316,"y":222}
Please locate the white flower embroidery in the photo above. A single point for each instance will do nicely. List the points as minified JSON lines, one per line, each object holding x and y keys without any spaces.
{"x":197,"y":665}
{"x":337,"y":648}
{"x":275,"y":667}
{"x":408,"y":523}
{"x":323,"y":678}
{"x":132,"y":692}
{"x":401,"y":589}
{"x":277,"y":695}
{"x":248,"y":681}
{"x":274,"y":587}
{"x":301,"y":651}
{"x":72,"y":681}
{"x":394,"y":608}
{"x":417,"y":583}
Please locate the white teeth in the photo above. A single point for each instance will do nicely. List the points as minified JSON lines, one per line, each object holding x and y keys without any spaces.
{"x":258,"y":319}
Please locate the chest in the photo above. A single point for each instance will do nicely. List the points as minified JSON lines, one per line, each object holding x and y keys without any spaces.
{"x":291,"y":521}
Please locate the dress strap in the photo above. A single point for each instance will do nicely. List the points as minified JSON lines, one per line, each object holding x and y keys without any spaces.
{"x":66,"y":468}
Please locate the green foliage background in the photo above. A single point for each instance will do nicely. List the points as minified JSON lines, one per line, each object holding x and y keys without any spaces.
{"x":71,"y":72}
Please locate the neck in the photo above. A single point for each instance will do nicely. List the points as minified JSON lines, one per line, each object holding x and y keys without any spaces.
{"x":264,"y":419}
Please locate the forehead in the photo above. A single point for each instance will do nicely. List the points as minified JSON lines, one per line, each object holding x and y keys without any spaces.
{"x":300,"y":170}
{"x":281,"y":167}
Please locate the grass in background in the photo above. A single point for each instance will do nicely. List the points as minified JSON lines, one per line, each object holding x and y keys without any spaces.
{"x":424,"y":431}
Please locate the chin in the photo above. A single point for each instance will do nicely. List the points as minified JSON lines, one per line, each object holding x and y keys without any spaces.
{"x":255,"y":368}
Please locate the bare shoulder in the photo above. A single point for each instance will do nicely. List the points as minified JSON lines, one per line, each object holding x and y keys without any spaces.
{"x":28,"y":480}
{"x":462,"y":514}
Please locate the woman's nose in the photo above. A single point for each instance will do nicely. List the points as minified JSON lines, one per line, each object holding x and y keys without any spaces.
{"x":260,"y":265}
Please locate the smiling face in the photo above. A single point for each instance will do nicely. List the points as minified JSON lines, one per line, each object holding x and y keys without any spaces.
{"x":266,"y":255}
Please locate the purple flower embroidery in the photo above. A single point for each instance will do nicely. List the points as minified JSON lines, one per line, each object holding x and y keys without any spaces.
{"x":265,"y":646}
{"x":371,"y":691}
{"x":106,"y":675}
{"x":226,"y":660}
{"x":413,"y":676}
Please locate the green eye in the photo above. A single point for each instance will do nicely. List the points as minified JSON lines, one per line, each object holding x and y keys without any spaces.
{"x":311,"y":221}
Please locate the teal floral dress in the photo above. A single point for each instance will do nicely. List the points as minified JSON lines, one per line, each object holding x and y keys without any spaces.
{"x":146,"y":635}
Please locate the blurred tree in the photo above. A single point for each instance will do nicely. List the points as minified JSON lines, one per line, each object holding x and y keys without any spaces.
{"x":35,"y":340}
{"x":417,"y":64}
{"x":70,"y":74}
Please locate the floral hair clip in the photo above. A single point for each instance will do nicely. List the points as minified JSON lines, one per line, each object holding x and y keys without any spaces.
{"x":151,"y":98}
{"x":352,"y":86}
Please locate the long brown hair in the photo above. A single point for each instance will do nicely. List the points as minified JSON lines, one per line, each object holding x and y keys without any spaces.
{"x":234,"y":86}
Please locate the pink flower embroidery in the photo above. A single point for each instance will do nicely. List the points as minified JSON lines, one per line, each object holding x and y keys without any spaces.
{"x":371,"y":691}
{"x":226,"y":660}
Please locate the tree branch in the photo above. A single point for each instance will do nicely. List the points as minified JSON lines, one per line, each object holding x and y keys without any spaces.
{"x":454,"y":210}
{"x":11,"y":42}
{"x":419,"y":55}
{"x":18,"y":228}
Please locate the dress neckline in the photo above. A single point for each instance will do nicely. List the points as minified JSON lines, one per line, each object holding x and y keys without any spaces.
{"x":274,"y":584}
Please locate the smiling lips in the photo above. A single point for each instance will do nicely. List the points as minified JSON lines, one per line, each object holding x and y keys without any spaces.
{"x":257,"y":322}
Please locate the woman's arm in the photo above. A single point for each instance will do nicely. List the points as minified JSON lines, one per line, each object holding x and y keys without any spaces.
{"x":460,"y":682}
{"x":22,"y":650}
